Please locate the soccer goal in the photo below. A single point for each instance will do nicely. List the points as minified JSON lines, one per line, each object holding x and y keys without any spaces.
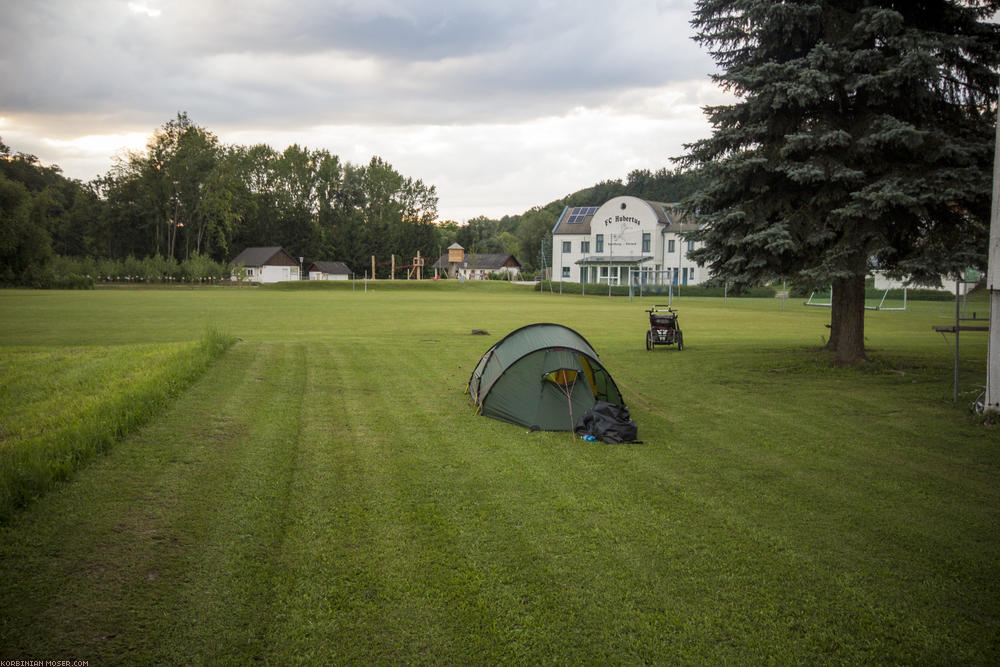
{"x":881,"y":304}
{"x":824,"y":298}
{"x":647,"y":282}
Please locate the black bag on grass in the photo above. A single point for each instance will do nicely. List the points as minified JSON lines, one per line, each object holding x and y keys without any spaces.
{"x":608,"y":422}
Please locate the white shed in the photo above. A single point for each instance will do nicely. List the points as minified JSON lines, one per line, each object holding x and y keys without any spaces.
{"x":328,"y":271}
{"x":266,"y":265}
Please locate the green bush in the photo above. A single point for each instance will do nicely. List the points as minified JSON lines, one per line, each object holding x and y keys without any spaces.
{"x":201,"y":268}
{"x":64,"y":273}
{"x":85,"y":272}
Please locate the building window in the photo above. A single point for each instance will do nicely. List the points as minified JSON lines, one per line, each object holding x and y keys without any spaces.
{"x":599,"y":243}
{"x":690,"y":245}
{"x":645,"y":242}
{"x":585,"y":246}
{"x":691,"y":274}
{"x":565,"y":272}
{"x":566,"y":246}
{"x":670,"y":245}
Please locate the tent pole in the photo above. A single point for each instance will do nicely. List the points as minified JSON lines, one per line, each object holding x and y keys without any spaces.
{"x":569,"y":399}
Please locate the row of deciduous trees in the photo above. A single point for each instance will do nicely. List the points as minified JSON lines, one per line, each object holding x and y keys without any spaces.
{"x":187,"y":195}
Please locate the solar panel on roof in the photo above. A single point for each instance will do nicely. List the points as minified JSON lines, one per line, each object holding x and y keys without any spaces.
{"x":578,"y":213}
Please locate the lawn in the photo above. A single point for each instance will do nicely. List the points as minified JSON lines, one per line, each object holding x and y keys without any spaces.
{"x":323,"y":493}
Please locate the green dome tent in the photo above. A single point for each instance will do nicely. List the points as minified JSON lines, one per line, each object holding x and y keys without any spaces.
{"x":541,"y":376}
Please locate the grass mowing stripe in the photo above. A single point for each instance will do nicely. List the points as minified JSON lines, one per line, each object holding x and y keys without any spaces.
{"x":242,"y":529}
{"x":101,"y":395}
{"x":184,"y":519}
{"x":325,"y":590}
{"x":401,"y":498}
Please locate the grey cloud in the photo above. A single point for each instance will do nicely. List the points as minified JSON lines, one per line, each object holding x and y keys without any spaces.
{"x":267,"y":61}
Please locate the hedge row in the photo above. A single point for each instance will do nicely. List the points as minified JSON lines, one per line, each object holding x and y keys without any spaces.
{"x":85,"y":272}
{"x":871,"y":293}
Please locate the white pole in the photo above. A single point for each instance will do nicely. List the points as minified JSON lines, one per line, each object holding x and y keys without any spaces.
{"x":958,"y":322}
{"x":611,"y":257}
{"x":992,"y":403}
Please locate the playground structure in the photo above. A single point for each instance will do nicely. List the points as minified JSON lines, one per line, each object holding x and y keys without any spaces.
{"x":414,"y":270}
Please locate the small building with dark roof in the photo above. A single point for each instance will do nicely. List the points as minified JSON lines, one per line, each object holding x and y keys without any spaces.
{"x":476,"y":266}
{"x":328,"y":271}
{"x":265,"y":265}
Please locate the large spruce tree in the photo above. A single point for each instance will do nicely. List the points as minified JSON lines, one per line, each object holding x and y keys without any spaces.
{"x":861,"y":139}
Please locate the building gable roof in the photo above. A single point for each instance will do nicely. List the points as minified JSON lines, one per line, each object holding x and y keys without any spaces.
{"x":577,"y":219}
{"x":271,"y":255}
{"x":334,"y":268}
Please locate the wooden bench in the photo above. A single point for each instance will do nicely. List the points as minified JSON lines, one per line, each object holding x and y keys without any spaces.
{"x":962,"y":327}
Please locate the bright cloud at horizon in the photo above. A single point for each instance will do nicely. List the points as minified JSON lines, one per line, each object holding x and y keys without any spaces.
{"x":500,"y":106}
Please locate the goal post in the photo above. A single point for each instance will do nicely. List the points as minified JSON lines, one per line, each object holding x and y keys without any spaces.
{"x":649,"y":282}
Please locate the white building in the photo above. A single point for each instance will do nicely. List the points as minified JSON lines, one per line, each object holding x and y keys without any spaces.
{"x":472,"y":266}
{"x":265,"y":265}
{"x":328,"y":271}
{"x":948,"y":283}
{"x":624,"y":236}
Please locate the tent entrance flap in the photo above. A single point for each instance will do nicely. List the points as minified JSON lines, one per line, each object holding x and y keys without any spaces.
{"x":563,"y":377}
{"x":563,"y":367}
{"x":567,"y":367}
{"x":560,"y":405}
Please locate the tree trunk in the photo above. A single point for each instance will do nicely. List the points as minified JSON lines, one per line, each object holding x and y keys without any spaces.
{"x":847,"y":321}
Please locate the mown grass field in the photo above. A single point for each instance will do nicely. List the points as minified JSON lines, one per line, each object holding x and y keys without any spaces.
{"x":323,"y":492}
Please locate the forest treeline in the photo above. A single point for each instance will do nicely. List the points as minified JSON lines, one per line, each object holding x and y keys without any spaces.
{"x":187,"y":204}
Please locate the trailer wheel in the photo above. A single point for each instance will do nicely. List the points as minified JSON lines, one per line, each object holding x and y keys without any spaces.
{"x":649,"y":340}
{"x":680,"y":341}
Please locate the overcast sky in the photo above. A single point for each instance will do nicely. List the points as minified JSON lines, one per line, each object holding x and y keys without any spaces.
{"x":502,"y":105}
